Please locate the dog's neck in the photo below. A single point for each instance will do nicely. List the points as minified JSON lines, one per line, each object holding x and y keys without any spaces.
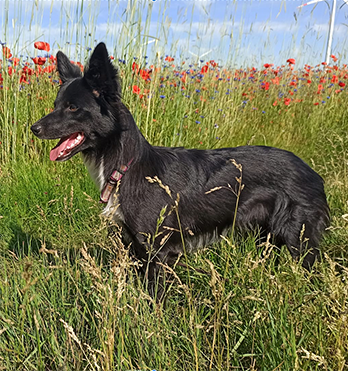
{"x":114,"y":153}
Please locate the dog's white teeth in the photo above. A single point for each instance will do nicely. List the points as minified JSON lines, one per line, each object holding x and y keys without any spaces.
{"x":78,"y":137}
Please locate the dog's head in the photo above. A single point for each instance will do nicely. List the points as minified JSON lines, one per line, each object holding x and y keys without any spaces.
{"x":85,"y":107}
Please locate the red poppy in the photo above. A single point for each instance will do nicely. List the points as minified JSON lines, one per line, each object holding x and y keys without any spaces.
{"x":169,"y":59}
{"x":291,"y":61}
{"x":39,"y":60}
{"x":334,"y":58}
{"x":136,"y":89}
{"x":275,"y":81}
{"x":145,"y":75}
{"x":213,"y":63}
{"x":135,"y":67}
{"x":41,"y":45}
{"x":53,"y":59}
{"x":7,"y":52}
{"x":15,"y":61}
{"x":341,"y":84}
{"x":28,"y":71}
{"x":334,"y":79}
{"x":287,"y":101}
{"x":204,"y":69}
{"x":23,"y":79}
{"x":268,"y":65}
{"x":265,"y":85}
{"x":50,"y":68}
{"x":80,"y":65}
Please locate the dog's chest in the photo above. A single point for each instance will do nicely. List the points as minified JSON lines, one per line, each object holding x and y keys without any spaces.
{"x":112,"y":209}
{"x":96,"y":170}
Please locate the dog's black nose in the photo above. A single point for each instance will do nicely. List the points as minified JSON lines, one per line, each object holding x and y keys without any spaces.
{"x":36,"y":129}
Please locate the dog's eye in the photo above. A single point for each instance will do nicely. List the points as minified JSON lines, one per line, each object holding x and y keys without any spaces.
{"x":73,"y":108}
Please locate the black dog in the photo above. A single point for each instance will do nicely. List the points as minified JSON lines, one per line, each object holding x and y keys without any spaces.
{"x":197,"y":191}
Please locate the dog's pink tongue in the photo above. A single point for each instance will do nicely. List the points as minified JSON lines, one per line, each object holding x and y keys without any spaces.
{"x":62,"y":147}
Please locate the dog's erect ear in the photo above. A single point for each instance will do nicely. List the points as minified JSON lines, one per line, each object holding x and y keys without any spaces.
{"x":101,"y":75}
{"x":66,"y":69}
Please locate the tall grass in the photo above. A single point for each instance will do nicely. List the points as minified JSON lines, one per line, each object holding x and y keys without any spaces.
{"x":70,"y":297}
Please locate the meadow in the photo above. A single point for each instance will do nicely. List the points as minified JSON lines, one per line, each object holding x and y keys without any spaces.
{"x":70,"y":297}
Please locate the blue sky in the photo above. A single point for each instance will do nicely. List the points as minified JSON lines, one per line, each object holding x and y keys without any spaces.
{"x":241,"y":33}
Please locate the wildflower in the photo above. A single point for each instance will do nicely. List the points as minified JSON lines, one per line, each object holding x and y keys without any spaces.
{"x":320,"y":88}
{"x":41,"y":45}
{"x":136,"y":89}
{"x":39,"y":60}
{"x":275,"y":81}
{"x":15,"y":61}
{"x":287,"y":101}
{"x":162,"y":96}
{"x":145,"y":75}
{"x":135,"y":67}
{"x":341,"y":84}
{"x":169,"y":59}
{"x":265,"y":85}
{"x":334,"y":58}
{"x":6,"y":52}
{"x":291,"y":61}
{"x":50,"y":68}
{"x":204,"y":69}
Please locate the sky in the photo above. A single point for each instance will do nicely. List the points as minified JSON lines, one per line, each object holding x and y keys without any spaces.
{"x":240,"y":33}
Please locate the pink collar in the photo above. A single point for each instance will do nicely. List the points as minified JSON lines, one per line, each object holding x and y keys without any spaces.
{"x":115,"y":177}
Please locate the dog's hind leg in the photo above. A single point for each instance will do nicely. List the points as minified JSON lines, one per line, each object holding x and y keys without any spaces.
{"x":302,"y":235}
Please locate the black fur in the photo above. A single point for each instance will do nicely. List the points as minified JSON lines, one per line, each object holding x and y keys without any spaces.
{"x":281,"y":193}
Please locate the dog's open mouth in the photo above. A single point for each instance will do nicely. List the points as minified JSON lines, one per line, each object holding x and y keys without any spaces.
{"x":63,"y":150}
